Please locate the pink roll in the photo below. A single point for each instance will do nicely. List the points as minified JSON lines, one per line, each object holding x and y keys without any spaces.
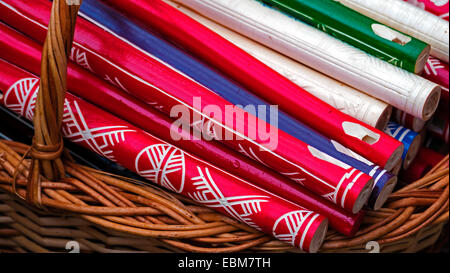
{"x":437,"y":71}
{"x":169,"y":166}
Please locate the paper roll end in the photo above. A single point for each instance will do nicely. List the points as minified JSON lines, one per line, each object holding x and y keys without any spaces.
{"x":363,"y":197}
{"x":431,"y":102}
{"x":385,"y":193}
{"x":384,"y":118}
{"x":422,"y":60}
{"x":395,"y":157}
{"x":412,"y":151}
{"x":319,"y":236}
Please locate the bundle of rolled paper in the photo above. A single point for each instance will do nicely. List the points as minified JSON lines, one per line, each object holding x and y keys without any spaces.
{"x":287,"y":115}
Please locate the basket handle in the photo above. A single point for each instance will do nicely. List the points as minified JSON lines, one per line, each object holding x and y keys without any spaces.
{"x":47,"y":146}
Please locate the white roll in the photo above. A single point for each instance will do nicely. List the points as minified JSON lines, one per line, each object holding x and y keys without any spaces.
{"x":312,"y":47}
{"x":342,"y":97}
{"x":409,"y":19}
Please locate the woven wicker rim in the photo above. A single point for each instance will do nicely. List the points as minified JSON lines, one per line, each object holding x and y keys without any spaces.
{"x":39,"y":175}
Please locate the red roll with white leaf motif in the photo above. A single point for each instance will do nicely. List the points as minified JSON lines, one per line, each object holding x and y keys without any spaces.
{"x":169,"y":166}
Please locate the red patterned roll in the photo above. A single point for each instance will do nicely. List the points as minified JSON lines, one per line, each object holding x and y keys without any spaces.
{"x":263,"y":81}
{"x":437,"y":7}
{"x":171,"y":167}
{"x":155,"y":83}
{"x":439,"y":124}
{"x":426,"y":159}
{"x":26,"y":54}
{"x":437,"y":71}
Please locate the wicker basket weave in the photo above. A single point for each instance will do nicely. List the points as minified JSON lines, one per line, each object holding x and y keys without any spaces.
{"x":51,"y":204}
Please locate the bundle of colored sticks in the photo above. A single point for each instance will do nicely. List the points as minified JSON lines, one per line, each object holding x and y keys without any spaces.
{"x":286,"y":115}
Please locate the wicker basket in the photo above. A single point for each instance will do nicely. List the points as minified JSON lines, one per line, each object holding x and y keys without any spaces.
{"x":91,"y":211}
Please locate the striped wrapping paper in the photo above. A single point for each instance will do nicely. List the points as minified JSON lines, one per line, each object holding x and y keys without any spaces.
{"x":155,"y":83}
{"x":263,"y":81}
{"x":26,"y":54}
{"x":109,"y":19}
{"x":408,"y":19}
{"x":359,"y":31}
{"x":437,"y":7}
{"x":409,"y":138}
{"x":169,"y":166}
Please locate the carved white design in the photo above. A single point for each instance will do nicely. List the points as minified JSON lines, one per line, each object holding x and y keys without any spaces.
{"x":250,"y":154}
{"x":100,"y":140}
{"x":159,"y":162}
{"x":332,"y":196}
{"x":293,"y":222}
{"x":21,"y":97}
{"x":295,"y":176}
{"x":79,"y":57}
{"x":240,"y":207}
{"x":116,"y":82}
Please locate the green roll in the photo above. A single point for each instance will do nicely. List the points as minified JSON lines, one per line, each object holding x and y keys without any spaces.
{"x":359,"y":31}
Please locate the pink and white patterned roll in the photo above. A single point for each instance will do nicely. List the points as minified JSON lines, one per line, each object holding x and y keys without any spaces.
{"x":438,"y":72}
{"x":437,"y":7}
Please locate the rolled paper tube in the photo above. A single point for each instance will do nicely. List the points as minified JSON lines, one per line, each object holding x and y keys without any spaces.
{"x":263,"y":81}
{"x":408,"y":19}
{"x":359,"y":31}
{"x":26,"y":53}
{"x":439,"y":125}
{"x":350,"y":101}
{"x":426,"y":159}
{"x":111,"y":20}
{"x":169,"y":90}
{"x":397,"y":169}
{"x":172,"y":168}
{"x":408,"y":121}
{"x":409,"y":138}
{"x":437,"y":7}
{"x":438,"y":72}
{"x":324,"y":53}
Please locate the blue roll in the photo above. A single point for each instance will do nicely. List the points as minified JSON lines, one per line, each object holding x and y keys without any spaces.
{"x":410,"y":139}
{"x":114,"y":22}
